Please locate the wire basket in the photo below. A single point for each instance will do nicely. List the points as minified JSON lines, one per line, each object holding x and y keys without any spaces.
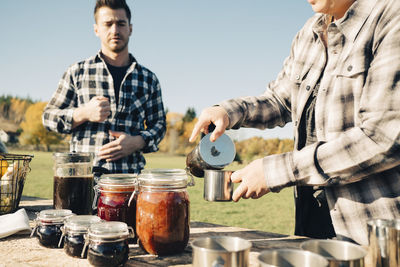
{"x":13,"y":170}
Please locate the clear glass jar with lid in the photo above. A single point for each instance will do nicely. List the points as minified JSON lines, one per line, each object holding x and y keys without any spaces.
{"x":48,"y":225}
{"x":73,"y":182}
{"x":162,"y":212}
{"x":73,"y":231}
{"x":116,"y":199}
{"x":107,"y":243}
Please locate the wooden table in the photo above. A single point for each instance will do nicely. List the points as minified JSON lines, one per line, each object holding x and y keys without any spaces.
{"x":21,"y":250}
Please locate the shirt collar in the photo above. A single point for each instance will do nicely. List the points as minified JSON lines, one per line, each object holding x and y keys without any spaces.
{"x":100,"y":58}
{"x":352,"y":21}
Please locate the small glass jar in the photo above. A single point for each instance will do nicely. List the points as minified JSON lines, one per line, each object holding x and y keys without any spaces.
{"x":73,"y":231}
{"x":107,"y":243}
{"x":48,"y":225}
{"x":162,"y":215}
{"x":117,"y":200}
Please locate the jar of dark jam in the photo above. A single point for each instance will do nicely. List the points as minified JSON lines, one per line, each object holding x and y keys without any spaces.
{"x":107,"y":243}
{"x":73,"y":231}
{"x":48,"y":225}
{"x":162,"y":214}
{"x":117,"y":201}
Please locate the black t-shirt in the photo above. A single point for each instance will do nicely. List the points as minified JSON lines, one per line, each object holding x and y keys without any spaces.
{"x":118,"y":73}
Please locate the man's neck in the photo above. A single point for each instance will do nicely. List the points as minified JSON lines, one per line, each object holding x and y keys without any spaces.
{"x":116,"y":59}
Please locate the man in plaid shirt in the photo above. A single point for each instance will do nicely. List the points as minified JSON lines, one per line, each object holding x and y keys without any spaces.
{"x":110,"y":104}
{"x":340,"y":86}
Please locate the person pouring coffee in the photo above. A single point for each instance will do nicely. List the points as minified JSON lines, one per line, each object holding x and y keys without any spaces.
{"x":340,"y":86}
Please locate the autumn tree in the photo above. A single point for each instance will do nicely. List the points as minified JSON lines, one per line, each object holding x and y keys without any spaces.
{"x":33,"y":131}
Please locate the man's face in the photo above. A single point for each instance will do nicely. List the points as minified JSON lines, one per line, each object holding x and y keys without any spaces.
{"x":113,"y":29}
{"x":332,"y":7}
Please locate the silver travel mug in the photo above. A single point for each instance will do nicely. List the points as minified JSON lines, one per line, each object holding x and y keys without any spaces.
{"x":378,"y":236}
{"x":218,"y":185}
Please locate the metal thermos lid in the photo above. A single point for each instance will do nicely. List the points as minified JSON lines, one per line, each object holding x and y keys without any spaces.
{"x":217,"y":154}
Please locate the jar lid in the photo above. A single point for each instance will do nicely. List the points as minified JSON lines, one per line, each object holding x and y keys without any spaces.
{"x":118,"y":181}
{"x":163,"y":178}
{"x":73,"y":157}
{"x":108,"y":230}
{"x":53,"y":215}
{"x":217,"y":154}
{"x":80,"y":223}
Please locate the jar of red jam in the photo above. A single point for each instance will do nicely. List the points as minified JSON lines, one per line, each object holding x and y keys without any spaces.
{"x":73,"y":231}
{"x":107,"y":243}
{"x":162,"y":213}
{"x":48,"y":225}
{"x":117,"y":201}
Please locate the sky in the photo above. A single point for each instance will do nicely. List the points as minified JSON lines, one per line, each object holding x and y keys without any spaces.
{"x":203,"y":52}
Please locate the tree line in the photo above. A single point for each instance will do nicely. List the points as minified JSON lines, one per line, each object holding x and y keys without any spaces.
{"x":26,"y":114}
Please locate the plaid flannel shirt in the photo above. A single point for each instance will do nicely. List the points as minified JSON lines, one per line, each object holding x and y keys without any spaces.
{"x":139,"y":110}
{"x":357,"y":115}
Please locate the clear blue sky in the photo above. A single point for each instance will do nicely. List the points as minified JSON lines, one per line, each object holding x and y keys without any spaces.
{"x":202,"y":51}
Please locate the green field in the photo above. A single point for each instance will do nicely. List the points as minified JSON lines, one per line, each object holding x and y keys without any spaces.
{"x":273,"y":212}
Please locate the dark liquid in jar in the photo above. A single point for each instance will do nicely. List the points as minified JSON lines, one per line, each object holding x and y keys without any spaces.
{"x":116,"y":207}
{"x":73,"y":245}
{"x":74,"y":193}
{"x":162,"y":222}
{"x":49,"y":235}
{"x":108,"y":254}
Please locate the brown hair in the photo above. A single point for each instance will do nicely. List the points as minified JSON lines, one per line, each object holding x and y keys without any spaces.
{"x":113,"y":4}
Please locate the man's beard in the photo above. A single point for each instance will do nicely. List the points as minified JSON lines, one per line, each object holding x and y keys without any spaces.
{"x":118,"y":49}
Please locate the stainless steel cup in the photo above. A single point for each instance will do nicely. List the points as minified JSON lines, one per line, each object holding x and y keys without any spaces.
{"x":394,"y":242}
{"x":223,"y":251}
{"x":338,"y":253}
{"x":290,"y":258}
{"x":384,"y":242}
{"x":378,"y":236}
{"x":218,"y":185}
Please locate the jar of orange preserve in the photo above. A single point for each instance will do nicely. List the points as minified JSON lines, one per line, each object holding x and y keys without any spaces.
{"x":162,"y":211}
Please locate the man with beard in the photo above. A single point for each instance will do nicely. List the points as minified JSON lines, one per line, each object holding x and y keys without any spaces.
{"x":110,"y":103}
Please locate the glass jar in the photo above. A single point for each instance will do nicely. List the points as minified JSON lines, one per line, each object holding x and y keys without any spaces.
{"x":117,"y":201}
{"x":107,"y":243}
{"x":162,"y":213}
{"x":48,"y":225}
{"x":73,"y":182}
{"x":73,"y":231}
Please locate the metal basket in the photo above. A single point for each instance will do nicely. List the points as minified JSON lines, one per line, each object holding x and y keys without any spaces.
{"x":13,"y":168}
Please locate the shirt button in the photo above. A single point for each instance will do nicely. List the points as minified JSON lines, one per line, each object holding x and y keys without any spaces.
{"x":334,"y":52}
{"x":295,"y":123}
{"x":297,"y":77}
{"x":308,"y":87}
{"x":323,"y":89}
{"x":349,"y":68}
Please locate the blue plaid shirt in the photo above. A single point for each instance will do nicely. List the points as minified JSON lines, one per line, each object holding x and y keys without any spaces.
{"x":139,"y":110}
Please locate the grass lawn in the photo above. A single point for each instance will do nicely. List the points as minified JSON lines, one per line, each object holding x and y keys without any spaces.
{"x":272,"y":213}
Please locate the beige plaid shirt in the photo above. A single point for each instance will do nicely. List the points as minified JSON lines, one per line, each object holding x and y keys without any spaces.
{"x":357,"y":114}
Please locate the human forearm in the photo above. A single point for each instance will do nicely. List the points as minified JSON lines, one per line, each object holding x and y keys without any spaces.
{"x":79,"y":117}
{"x":122,"y":146}
{"x":264,"y":111}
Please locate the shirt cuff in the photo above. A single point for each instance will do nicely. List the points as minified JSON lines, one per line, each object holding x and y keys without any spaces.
{"x":291,"y":168}
{"x":149,"y":142}
{"x":68,"y":119}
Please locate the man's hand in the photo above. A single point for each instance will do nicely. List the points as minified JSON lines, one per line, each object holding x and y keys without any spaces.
{"x":253,"y":182}
{"x":216,"y":115}
{"x":96,"y":110}
{"x":122,"y":146}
